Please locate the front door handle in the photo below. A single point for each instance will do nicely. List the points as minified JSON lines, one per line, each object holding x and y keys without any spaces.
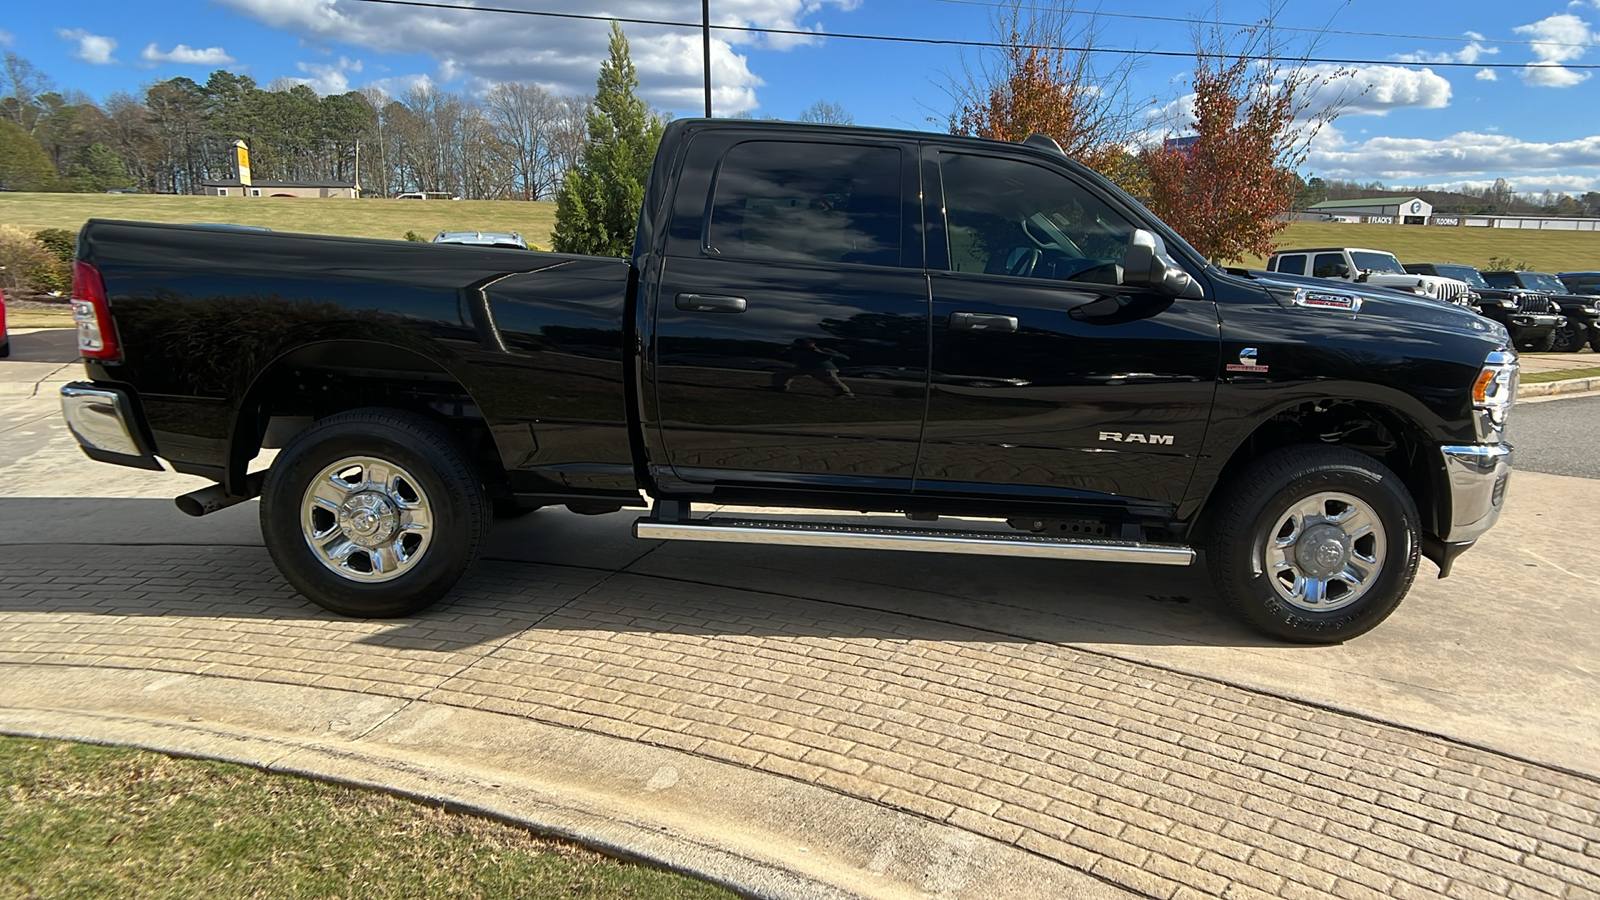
{"x":982,"y":322}
{"x":711,"y":303}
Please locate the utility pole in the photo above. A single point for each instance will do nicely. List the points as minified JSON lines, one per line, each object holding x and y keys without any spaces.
{"x":705,"y":40}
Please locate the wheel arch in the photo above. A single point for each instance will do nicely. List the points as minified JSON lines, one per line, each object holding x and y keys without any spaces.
{"x":1377,"y":429}
{"x":320,"y":378}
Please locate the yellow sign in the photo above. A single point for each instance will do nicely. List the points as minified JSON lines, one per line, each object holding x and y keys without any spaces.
{"x":242,"y":153}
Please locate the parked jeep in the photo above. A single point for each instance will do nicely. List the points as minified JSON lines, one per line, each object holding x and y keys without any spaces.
{"x":1375,"y":267}
{"x":1582,"y":312}
{"x":1530,"y":316}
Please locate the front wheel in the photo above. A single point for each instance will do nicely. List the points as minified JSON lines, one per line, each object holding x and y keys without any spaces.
{"x":373,"y":512}
{"x":1314,"y":544}
{"x":1594,"y":339}
{"x":1569,"y":338}
{"x":1540,"y":344}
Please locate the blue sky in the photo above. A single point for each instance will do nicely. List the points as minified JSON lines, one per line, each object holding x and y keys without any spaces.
{"x":1518,"y":111}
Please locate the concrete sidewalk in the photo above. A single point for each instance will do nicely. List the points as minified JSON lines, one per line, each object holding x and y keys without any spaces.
{"x":845,"y":723}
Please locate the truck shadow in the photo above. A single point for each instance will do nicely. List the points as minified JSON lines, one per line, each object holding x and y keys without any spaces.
{"x":555,"y":571}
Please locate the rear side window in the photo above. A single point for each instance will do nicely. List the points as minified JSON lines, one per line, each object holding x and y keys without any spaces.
{"x":1502,"y":280}
{"x":1329,"y":265}
{"x":1294,"y":264}
{"x":1582,"y":284}
{"x":801,"y":202}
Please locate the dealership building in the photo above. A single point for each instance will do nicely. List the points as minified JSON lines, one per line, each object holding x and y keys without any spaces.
{"x":1377,"y":210}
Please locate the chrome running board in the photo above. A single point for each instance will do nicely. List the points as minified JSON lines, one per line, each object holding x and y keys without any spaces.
{"x":924,"y":540}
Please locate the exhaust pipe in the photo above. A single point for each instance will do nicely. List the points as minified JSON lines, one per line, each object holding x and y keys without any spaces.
{"x":208,"y":500}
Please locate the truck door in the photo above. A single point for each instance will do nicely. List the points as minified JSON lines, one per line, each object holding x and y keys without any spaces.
{"x":1049,"y":376}
{"x":791,"y":315}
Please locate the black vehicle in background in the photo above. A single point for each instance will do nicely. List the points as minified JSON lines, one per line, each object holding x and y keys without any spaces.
{"x":1530,"y":316}
{"x":1582,"y":313}
{"x":1587,"y":283}
{"x":986,"y":338}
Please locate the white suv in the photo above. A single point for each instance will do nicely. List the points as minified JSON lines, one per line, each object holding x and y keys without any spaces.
{"x":1377,"y":267}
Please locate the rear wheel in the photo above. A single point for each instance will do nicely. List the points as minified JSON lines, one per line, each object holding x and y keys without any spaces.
{"x":373,"y":512}
{"x":1314,"y":544}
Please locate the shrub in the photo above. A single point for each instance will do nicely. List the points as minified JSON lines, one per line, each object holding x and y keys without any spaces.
{"x":27,"y":266}
{"x":59,"y":241}
{"x":413,"y":236}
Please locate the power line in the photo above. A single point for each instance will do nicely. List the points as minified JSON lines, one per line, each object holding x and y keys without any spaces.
{"x":1268,"y":26}
{"x":943,"y":42}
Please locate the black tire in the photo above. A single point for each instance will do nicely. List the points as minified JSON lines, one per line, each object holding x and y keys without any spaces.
{"x":1540,"y":344}
{"x":430,"y":475}
{"x":1594,"y":340}
{"x":1255,"y":503}
{"x":506,"y":508}
{"x":1569,"y":338}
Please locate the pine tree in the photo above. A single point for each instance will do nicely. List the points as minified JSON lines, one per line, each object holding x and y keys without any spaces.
{"x":598,"y":207}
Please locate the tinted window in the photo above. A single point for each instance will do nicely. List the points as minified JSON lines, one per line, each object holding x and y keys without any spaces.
{"x":1005,"y":217}
{"x":1463,"y":273}
{"x":1377,"y":262}
{"x":1292,"y":265}
{"x":1539,"y":281}
{"x":808,"y":203}
{"x":1329,"y":265}
{"x":1502,"y":280}
{"x":1582,"y":284}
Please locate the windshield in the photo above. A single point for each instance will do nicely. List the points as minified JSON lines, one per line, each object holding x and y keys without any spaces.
{"x":1462,"y":273}
{"x":1539,"y":281}
{"x":1373,"y":261}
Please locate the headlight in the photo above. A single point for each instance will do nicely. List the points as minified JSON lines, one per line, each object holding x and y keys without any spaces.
{"x":1495,"y":390}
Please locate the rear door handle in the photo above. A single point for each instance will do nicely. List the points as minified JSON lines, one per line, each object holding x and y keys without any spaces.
{"x":982,"y":322}
{"x":710,"y":303}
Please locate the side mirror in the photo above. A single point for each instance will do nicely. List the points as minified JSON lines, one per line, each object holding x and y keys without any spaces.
{"x":1147,"y":264}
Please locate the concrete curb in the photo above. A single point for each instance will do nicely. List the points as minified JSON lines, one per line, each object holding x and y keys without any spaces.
{"x":1565,"y":386}
{"x":762,"y":835}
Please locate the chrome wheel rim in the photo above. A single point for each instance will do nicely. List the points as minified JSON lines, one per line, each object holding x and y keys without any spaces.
{"x":366,"y":519}
{"x":1325,"y":552}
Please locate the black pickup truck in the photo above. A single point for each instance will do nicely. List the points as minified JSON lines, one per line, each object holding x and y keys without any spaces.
{"x":987,"y":338}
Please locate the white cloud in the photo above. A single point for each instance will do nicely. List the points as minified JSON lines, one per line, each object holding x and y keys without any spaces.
{"x":1464,"y":155}
{"x":6,"y":38}
{"x":92,"y":48}
{"x":1486,"y":75}
{"x":183,"y":54}
{"x":1471,"y":53}
{"x":1379,"y":90}
{"x":328,"y":78}
{"x":1556,"y":40}
{"x":563,"y":55}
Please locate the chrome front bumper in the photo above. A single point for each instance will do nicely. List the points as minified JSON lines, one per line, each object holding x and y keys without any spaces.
{"x":104,"y":422}
{"x":1477,"y":475}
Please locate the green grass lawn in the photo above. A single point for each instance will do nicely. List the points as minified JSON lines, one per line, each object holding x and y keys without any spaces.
{"x":356,"y":218}
{"x":1544,"y":251}
{"x":1562,"y":375}
{"x":86,"y":821}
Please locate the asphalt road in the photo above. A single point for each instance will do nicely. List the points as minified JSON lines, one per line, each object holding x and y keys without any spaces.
{"x":1560,"y":437}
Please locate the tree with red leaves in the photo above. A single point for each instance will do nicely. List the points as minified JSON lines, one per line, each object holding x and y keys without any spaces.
{"x":1044,"y":79}
{"x":1228,"y":189}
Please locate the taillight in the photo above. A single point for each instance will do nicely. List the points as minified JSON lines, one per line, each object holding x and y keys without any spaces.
{"x":97,"y":336}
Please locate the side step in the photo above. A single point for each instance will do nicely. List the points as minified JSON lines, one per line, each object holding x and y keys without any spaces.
{"x":924,"y":540}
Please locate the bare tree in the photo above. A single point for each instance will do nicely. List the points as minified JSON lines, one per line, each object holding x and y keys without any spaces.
{"x":24,"y":83}
{"x":826,"y":112}
{"x":525,"y":118}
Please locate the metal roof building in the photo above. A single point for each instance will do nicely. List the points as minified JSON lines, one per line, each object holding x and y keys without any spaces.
{"x":1399,"y":210}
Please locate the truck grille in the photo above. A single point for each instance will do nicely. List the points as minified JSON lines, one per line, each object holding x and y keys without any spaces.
{"x":1453,"y":292}
{"x":1535,"y":303}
